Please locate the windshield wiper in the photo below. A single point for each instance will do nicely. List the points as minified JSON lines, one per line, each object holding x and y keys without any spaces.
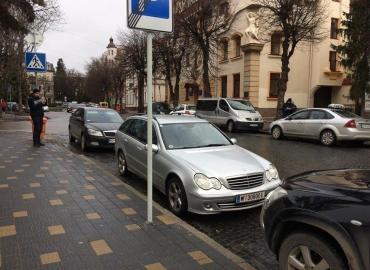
{"x":212,"y":145}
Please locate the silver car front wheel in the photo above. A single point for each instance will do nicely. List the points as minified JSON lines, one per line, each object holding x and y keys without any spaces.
{"x":277,"y":133}
{"x":327,"y":138}
{"x":176,"y":196}
{"x":122,"y":165}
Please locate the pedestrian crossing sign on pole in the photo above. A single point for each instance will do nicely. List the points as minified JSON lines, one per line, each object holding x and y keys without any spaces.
{"x":152,"y":15}
{"x":35,"y":62}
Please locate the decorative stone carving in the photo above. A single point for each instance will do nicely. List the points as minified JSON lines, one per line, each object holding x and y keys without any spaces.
{"x":252,"y":30}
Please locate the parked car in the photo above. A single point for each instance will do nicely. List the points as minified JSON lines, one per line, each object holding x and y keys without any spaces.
{"x":72,"y":107}
{"x":161,"y":108}
{"x":184,"y":109}
{"x":94,"y":127}
{"x":326,"y":125}
{"x":320,"y":220}
{"x":13,"y":106}
{"x":195,"y":164}
{"x":45,"y":108}
{"x":103,"y":104}
{"x":234,"y":114}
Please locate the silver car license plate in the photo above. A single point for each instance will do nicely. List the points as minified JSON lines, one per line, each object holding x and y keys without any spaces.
{"x":251,"y":197}
{"x":365,"y":125}
{"x":253,"y":125}
{"x":112,"y":140}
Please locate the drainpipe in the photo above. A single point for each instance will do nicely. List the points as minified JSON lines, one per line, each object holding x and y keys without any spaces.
{"x":310,"y":64}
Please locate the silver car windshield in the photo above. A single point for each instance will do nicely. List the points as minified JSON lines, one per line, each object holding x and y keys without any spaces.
{"x":241,"y":105}
{"x":103,"y":117}
{"x":192,"y":135}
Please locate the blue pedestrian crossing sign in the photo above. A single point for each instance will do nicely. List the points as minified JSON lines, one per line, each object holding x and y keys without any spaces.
{"x":153,"y":15}
{"x":35,"y":62}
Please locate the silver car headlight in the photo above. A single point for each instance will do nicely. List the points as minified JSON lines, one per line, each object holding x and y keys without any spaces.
{"x":94,"y":132}
{"x":271,"y":173}
{"x":206,"y":183}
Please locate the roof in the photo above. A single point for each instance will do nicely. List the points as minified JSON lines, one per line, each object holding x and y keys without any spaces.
{"x":173,"y":119}
{"x":97,"y":109}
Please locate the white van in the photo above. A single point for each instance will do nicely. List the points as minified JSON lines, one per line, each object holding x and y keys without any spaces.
{"x":232,"y":113}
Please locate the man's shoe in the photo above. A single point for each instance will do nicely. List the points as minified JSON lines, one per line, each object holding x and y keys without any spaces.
{"x":36,"y":145}
{"x":41,"y":144}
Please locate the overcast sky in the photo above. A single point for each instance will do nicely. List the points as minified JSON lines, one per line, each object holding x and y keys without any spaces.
{"x":88,"y":26}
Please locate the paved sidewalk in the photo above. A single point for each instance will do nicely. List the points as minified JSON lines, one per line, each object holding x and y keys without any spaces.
{"x":59,"y":210}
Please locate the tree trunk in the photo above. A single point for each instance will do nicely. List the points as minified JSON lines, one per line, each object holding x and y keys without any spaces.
{"x":206,"y":82}
{"x":176,"y":91}
{"x":140,"y":90}
{"x":283,"y":86}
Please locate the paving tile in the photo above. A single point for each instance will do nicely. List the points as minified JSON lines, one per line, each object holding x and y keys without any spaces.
{"x":132,"y":227}
{"x":61,"y":192}
{"x":20,"y":214}
{"x":35,"y":185}
{"x":8,"y":161}
{"x":155,"y":266}
{"x":40,"y":175}
{"x":168,"y":220}
{"x":200,"y":257}
{"x":64,"y":181}
{"x":55,"y":202}
{"x":6,"y":231}
{"x":49,"y":258}
{"x":115,"y":184}
{"x":28,"y":196}
{"x":30,"y":158}
{"x":47,"y":162}
{"x":89,"y":178}
{"x":93,"y":216}
{"x":19,"y":171}
{"x":2,"y":167}
{"x":100,"y":247}
{"x":44,"y":168}
{"x":56,"y":230}
{"x":25,"y":165}
{"x":89,"y":197}
{"x":122,"y":197}
{"x":4,"y":186}
{"x":129,"y":211}
{"x":89,"y":187}
{"x":11,"y":178}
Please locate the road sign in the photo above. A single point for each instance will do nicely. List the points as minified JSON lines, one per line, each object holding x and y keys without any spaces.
{"x":35,"y":62}
{"x":153,"y":15}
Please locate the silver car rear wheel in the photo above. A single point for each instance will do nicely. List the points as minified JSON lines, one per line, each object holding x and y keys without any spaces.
{"x":277,"y":133}
{"x":176,"y":196}
{"x":327,"y":138}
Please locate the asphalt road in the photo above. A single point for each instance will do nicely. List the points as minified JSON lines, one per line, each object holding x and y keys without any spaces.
{"x":240,"y":231}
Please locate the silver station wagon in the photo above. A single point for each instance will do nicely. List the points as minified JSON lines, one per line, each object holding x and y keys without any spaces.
{"x":195,"y":164}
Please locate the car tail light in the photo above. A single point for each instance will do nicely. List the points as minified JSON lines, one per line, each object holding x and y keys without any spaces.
{"x":350,"y":124}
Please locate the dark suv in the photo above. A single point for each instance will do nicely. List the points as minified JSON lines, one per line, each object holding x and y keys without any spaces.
{"x":320,"y":220}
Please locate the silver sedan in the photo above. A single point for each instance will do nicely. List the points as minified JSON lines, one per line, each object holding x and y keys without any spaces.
{"x":195,"y":165}
{"x":326,"y":125}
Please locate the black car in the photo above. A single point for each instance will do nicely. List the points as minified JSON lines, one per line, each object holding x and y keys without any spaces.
{"x":94,"y":127}
{"x":72,"y":107}
{"x":320,"y":220}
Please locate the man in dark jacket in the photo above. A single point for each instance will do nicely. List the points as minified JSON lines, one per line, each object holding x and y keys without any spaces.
{"x":288,"y":108}
{"x":37,"y":114}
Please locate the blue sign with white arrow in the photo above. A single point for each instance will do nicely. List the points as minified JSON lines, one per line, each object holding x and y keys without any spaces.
{"x":35,"y":62}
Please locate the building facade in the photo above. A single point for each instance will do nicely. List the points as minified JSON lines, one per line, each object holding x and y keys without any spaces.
{"x":249,"y":66}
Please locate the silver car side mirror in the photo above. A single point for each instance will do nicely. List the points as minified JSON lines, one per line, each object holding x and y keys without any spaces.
{"x":233,"y":140}
{"x":154,"y":147}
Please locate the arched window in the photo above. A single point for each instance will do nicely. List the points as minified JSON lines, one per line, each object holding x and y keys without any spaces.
{"x":276,"y":44}
{"x":224,"y":49}
{"x":237,"y":43}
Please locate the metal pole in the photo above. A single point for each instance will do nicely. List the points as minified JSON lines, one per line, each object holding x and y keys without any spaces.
{"x":149,"y":98}
{"x":36,"y":81}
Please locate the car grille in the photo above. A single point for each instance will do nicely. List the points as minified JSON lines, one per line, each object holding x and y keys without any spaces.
{"x":245,"y":182}
{"x":233,"y":205}
{"x":110,"y":133}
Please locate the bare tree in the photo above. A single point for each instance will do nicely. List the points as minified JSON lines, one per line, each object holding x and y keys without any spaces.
{"x":171,"y":50}
{"x":298,"y":21}
{"x":134,"y":59}
{"x":205,"y":20}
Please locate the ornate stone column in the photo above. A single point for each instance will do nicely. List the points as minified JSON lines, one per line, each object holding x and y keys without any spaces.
{"x":252,"y":52}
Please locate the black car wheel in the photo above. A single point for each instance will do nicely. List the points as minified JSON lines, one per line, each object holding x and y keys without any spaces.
{"x":176,"y":196}
{"x":122,"y":164}
{"x":309,"y":251}
{"x":277,"y":133}
{"x":71,"y":138}
{"x":83,"y":142}
{"x":230,"y":126}
{"x":327,"y":137}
